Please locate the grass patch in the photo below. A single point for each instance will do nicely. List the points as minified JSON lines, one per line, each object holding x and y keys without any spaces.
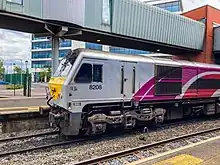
{"x":11,"y":87}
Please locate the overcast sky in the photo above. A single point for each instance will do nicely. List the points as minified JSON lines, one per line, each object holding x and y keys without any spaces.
{"x":15,"y":45}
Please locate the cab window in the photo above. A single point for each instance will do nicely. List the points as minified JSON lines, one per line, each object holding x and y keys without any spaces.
{"x":84,"y":75}
{"x":97,"y":73}
{"x":89,"y":73}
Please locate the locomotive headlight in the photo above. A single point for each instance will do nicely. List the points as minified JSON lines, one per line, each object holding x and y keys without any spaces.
{"x":69,"y":106}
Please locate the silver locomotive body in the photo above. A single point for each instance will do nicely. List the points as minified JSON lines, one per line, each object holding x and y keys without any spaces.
{"x":93,"y":90}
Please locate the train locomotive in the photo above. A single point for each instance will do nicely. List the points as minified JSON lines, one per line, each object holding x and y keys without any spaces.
{"x":94,"y":90}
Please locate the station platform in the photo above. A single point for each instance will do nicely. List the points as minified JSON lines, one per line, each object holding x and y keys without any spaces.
{"x":22,"y":102}
{"x":201,"y":153}
{"x":19,"y":110}
{"x":15,"y":119}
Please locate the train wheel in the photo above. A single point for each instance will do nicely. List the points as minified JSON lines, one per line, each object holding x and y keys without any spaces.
{"x":86,"y":131}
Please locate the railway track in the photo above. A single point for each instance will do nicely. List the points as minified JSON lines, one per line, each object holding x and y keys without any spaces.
{"x":40,"y":147}
{"x":148,"y":150}
{"x":20,"y":151}
{"x":28,"y":136}
{"x":100,"y":159}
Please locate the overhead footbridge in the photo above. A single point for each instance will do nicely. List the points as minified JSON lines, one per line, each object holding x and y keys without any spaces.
{"x":124,"y":23}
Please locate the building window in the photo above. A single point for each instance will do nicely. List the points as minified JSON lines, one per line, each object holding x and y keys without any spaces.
{"x":66,"y":43}
{"x":85,"y":74}
{"x":127,"y":51}
{"x":38,"y":38}
{"x":41,"y":54}
{"x":170,"y":6}
{"x":48,"y":44}
{"x":106,"y":12}
{"x":93,"y":46}
{"x":20,"y":2}
{"x":41,"y":64}
{"x":41,"y":45}
{"x":48,"y":54}
{"x":64,"y":52}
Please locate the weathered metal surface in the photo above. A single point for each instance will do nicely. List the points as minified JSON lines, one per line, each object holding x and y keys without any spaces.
{"x":135,"y":19}
{"x":217,"y":39}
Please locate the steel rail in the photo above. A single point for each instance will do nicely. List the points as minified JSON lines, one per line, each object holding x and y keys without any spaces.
{"x":41,"y":147}
{"x":28,"y":136}
{"x":143,"y":147}
{"x":105,"y":157}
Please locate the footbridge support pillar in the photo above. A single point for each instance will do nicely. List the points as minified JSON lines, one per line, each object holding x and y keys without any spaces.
{"x":55,"y":53}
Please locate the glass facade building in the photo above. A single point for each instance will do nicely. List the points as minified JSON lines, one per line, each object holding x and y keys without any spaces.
{"x":42,"y":52}
{"x":170,"y":5}
{"x":174,"y":6}
{"x":127,"y":51}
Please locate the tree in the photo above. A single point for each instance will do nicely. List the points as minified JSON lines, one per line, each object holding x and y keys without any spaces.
{"x":48,"y":74}
{"x":42,"y":75}
{"x":2,"y":70}
{"x":18,"y":70}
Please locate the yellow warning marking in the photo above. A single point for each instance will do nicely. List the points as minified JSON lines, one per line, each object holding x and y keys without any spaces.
{"x":55,"y":86}
{"x":182,"y":159}
{"x":17,"y":110}
{"x":21,"y":108}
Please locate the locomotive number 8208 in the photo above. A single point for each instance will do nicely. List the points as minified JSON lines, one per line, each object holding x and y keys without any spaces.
{"x":95,"y":87}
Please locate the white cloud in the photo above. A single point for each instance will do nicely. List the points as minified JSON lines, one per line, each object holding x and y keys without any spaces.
{"x":192,"y":4}
{"x":14,"y":46}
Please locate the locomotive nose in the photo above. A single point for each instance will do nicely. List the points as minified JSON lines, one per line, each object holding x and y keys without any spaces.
{"x":55,"y":86}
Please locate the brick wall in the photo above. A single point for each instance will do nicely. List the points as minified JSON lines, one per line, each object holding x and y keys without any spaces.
{"x":212,"y":15}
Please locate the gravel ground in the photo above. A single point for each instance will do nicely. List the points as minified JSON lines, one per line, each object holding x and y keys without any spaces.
{"x":81,"y":151}
{"x":29,"y":142}
{"x":30,"y":132}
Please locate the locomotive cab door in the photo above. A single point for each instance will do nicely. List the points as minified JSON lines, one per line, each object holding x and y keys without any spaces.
{"x":128,"y":79}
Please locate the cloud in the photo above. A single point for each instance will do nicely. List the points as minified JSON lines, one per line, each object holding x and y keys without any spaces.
{"x":192,"y":4}
{"x":14,"y":46}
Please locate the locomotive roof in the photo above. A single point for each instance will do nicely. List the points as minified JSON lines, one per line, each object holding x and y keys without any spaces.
{"x":141,"y":58}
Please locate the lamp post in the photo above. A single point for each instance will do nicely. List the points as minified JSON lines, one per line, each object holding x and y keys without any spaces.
{"x":28,"y":80}
{"x":14,"y":77}
{"x":21,"y":71}
{"x":26,"y":63}
{"x":25,"y":80}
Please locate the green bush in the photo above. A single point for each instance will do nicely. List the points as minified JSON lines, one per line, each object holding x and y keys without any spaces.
{"x":12,"y":86}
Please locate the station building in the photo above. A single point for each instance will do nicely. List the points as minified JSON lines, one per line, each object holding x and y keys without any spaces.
{"x":210,"y":16}
{"x":42,"y":48}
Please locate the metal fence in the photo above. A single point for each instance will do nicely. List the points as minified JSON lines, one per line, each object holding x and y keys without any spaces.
{"x":15,"y":78}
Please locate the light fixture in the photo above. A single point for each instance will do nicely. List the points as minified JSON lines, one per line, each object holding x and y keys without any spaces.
{"x":98,"y":40}
{"x":158,"y":50}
